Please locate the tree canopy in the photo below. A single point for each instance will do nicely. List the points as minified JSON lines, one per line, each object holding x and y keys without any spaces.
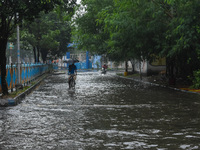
{"x":49,"y":34}
{"x":143,"y":30}
{"x":15,"y":12}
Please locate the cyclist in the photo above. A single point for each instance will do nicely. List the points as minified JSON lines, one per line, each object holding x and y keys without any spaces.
{"x":72,"y":71}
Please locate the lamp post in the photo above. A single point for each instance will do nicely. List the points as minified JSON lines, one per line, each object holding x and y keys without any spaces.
{"x":18,"y":55}
{"x":10,"y":52}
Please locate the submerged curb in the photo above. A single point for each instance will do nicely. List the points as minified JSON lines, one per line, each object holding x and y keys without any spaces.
{"x":13,"y":102}
{"x":159,"y":85}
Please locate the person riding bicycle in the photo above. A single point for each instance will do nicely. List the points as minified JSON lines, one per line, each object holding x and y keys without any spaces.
{"x":72,"y":71}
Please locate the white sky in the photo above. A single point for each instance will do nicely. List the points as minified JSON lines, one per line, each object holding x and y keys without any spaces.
{"x":78,"y":1}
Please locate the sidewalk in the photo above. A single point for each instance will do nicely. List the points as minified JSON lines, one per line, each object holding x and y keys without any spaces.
{"x":159,"y":80}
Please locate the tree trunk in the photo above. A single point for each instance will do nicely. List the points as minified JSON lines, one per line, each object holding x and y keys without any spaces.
{"x":126,"y":66}
{"x":140,"y":65}
{"x":44,"y":53}
{"x":170,"y":71}
{"x":38,"y":54}
{"x":133,"y":66}
{"x":34,"y":51}
{"x":3,"y":44}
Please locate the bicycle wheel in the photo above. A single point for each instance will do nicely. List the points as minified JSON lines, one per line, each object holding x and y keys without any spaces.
{"x":71,"y":83}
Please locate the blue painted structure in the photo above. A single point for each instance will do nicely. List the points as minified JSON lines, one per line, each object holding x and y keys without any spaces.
{"x":82,"y":65}
{"x":97,"y":62}
{"x":87,"y":60}
{"x":28,"y":72}
{"x":68,"y":56}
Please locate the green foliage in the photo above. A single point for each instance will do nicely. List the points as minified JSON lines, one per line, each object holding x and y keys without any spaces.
{"x":14,"y":13}
{"x":87,"y":32}
{"x":18,"y":92}
{"x":143,"y":30}
{"x":196,"y":80}
{"x":50,"y":33}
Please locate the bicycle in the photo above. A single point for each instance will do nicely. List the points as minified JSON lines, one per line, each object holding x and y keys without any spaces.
{"x":72,"y":82}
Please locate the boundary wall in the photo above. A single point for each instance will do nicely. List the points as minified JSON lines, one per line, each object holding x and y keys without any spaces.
{"x":28,"y":72}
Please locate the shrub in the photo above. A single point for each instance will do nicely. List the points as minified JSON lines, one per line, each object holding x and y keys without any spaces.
{"x":196,"y":80}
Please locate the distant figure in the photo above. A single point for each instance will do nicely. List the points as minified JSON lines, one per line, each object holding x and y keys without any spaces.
{"x":72,"y":71}
{"x":105,"y":66}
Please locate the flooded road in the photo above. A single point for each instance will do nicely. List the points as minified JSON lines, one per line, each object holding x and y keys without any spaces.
{"x":103,"y":112}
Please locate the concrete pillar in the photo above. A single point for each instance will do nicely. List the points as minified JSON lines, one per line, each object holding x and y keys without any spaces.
{"x":87,"y":60}
{"x":68,"y":56}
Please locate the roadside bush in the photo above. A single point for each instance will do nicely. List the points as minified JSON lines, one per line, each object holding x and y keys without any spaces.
{"x":196,"y":80}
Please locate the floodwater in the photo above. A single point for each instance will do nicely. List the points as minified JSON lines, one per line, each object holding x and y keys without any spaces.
{"x":103,"y":112}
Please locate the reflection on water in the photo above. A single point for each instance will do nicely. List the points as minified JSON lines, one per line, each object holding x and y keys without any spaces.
{"x":103,"y":112}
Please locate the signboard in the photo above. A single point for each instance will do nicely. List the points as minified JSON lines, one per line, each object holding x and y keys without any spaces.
{"x":10,"y":45}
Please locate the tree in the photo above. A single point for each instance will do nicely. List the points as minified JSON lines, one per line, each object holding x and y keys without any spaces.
{"x":88,"y":33}
{"x":49,"y":34}
{"x":181,"y":45}
{"x":121,"y":29}
{"x":41,"y":36}
{"x":12,"y":13}
{"x":134,"y":28}
{"x":61,"y":23}
{"x":143,"y":30}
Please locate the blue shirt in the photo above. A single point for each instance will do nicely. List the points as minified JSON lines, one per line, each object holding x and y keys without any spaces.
{"x":72,"y":69}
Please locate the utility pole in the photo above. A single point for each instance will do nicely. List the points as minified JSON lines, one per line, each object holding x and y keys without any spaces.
{"x":18,"y":56}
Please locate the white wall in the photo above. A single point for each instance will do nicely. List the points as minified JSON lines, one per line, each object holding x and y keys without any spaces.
{"x":144,"y":65}
{"x":148,"y":69}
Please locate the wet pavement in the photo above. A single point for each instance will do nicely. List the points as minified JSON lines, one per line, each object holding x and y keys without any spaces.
{"x":103,"y":112}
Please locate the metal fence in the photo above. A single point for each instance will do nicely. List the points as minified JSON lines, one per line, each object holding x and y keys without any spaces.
{"x":28,"y":72}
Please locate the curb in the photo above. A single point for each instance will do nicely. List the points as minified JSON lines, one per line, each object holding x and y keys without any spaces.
{"x":58,"y":73}
{"x":158,"y":85}
{"x":16,"y":100}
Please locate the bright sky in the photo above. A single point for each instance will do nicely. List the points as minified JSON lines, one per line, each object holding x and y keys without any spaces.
{"x":78,"y":1}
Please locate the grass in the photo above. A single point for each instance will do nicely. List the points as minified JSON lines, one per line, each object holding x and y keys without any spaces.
{"x":16,"y":93}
